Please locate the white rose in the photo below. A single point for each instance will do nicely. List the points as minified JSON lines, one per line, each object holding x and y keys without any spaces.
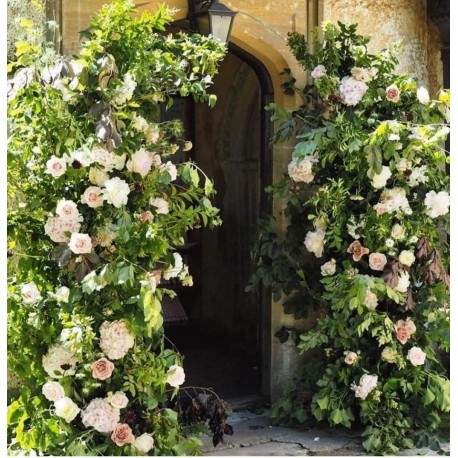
{"x":144,"y":443}
{"x":92,"y":197}
{"x":403,"y":282}
{"x":175,"y":376}
{"x":61,"y":295}
{"x":423,"y":95}
{"x":187,"y":146}
{"x":80,"y":243}
{"x":379,"y":180}
{"x":398,"y":232}
{"x":162,"y":206}
{"x":68,"y":210}
{"x":328,"y":268}
{"x":30,"y":293}
{"x":406,"y":257}
{"x":84,"y":156}
{"x":140,"y":162}
{"x":437,"y":204}
{"x":314,"y":242}
{"x":371,"y":300}
{"x":139,"y":123}
{"x":318,"y":72}
{"x":66,"y":409}
{"x":53,"y":391}
{"x":416,"y":356}
{"x":173,"y":271}
{"x":56,"y":166}
{"x":97,"y":176}
{"x":118,"y":400}
{"x":116,"y":192}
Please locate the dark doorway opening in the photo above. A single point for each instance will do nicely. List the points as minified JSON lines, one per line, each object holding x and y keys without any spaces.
{"x":226,"y":337}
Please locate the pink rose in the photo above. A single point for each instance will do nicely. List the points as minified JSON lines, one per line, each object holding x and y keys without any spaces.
{"x":92,"y":197}
{"x":404,"y":330}
{"x":357,"y":250}
{"x":146,"y":216}
{"x":140,"y":162}
{"x":102,"y":369}
{"x":56,"y":167}
{"x":122,"y":434}
{"x":377,"y":261}
{"x":392,"y":93}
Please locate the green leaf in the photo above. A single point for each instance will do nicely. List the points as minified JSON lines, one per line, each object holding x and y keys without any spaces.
{"x":429,"y":397}
{"x":374,"y":158}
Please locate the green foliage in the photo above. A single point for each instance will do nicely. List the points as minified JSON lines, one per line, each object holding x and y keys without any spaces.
{"x":367,"y":164}
{"x":97,"y":118}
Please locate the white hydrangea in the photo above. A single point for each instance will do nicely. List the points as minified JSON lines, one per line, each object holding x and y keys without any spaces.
{"x":301,"y":172}
{"x":30,"y":293}
{"x":123,"y":93}
{"x":318,"y":72}
{"x":59,"y":361}
{"x":57,"y":227}
{"x":100,"y":415}
{"x":367,"y":384}
{"x":116,"y":192}
{"x":418,"y":176}
{"x":115,"y":339}
{"x":173,"y":270}
{"x":66,"y":409}
{"x":352,"y":90}
{"x":437,"y":204}
{"x":314,"y":242}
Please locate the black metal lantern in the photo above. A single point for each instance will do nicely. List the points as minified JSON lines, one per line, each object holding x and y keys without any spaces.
{"x":210,"y":17}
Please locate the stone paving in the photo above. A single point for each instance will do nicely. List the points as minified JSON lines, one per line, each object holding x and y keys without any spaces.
{"x":254,"y":436}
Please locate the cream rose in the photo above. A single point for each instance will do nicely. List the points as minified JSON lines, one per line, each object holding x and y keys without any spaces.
{"x":80,"y":243}
{"x":398,"y":232}
{"x":389,"y":355}
{"x":392,"y":93}
{"x":370,"y":300}
{"x":187,"y":146}
{"x":162,"y":206}
{"x":56,"y":166}
{"x":379,"y":180}
{"x":118,"y":400}
{"x":66,"y":409}
{"x":301,"y":172}
{"x":144,"y":443}
{"x":53,"y":391}
{"x":314,"y":243}
{"x":416,"y":356}
{"x":116,"y":192}
{"x":92,"y":197}
{"x":122,"y":435}
{"x":175,"y":376}
{"x":30,"y":293}
{"x":97,"y":176}
{"x":68,"y":210}
{"x":140,"y":162}
{"x":406,"y":257}
{"x":328,"y":268}
{"x":377,"y":261}
{"x":350,"y":357}
{"x":102,"y":369}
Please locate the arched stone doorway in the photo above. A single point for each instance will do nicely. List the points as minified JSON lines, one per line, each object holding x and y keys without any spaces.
{"x":226,"y":340}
